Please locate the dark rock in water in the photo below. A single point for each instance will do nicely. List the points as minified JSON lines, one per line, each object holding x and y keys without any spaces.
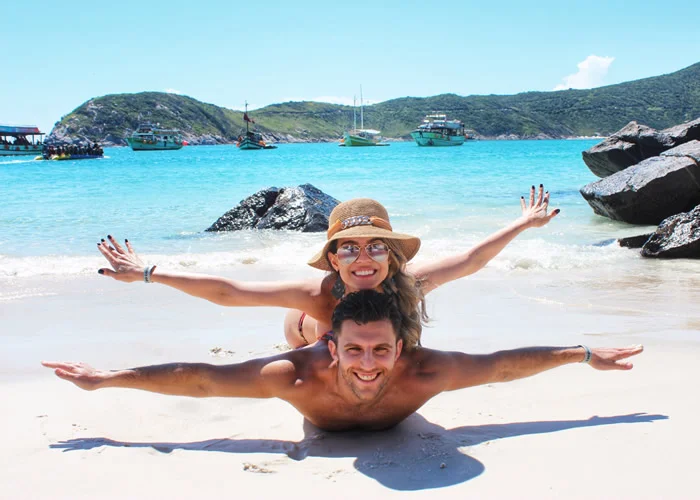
{"x":634,"y":241}
{"x":626,"y":147}
{"x":677,"y":237}
{"x":690,"y":149}
{"x":303,"y":208}
{"x":647,"y":193}
{"x":604,"y":243}
{"x":685,"y":132}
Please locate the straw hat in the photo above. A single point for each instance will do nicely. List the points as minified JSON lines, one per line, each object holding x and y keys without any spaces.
{"x":362,"y":218}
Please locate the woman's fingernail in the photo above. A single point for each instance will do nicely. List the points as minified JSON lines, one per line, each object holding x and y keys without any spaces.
{"x":533,"y":187}
{"x":102,"y":240}
{"x":100,"y":271}
{"x":126,"y":241}
{"x":556,"y":210}
{"x":109,"y":236}
{"x":541,"y":186}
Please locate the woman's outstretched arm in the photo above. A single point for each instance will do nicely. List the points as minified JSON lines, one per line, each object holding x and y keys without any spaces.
{"x":128,"y":267}
{"x":436,"y":273}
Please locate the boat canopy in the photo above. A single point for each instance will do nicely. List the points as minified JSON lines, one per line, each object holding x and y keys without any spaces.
{"x":369,"y":131}
{"x":20,"y":130}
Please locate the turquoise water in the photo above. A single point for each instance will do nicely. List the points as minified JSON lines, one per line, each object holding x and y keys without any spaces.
{"x":53,"y":213}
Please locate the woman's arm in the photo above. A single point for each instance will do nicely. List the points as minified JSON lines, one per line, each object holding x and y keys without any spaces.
{"x":128,"y":267}
{"x":434,"y":274}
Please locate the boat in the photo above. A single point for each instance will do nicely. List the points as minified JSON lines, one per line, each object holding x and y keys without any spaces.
{"x":361,"y":136}
{"x":148,"y":137}
{"x":62,"y":152}
{"x":252,"y":140}
{"x":437,"y":130}
{"x":20,"y":140}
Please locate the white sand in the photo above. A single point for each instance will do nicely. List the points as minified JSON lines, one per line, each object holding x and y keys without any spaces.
{"x":570,"y":433}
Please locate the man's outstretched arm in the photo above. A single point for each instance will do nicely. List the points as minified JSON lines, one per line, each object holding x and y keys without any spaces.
{"x":258,"y":378}
{"x":466,"y":370}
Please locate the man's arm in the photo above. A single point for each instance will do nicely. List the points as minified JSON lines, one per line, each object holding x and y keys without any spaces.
{"x":258,"y":378}
{"x":466,"y":370}
{"x":451,"y":268}
{"x":128,"y":268}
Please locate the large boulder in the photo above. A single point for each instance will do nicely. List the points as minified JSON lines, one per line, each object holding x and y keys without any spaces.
{"x":626,"y":147}
{"x":685,"y":132}
{"x":650,"y":191}
{"x":303,"y":208}
{"x":676,"y":237}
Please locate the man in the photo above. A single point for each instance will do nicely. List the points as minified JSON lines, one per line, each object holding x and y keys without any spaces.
{"x":361,"y":377}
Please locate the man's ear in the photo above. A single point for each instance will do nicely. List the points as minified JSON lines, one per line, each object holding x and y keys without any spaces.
{"x":333,"y":259}
{"x":399,"y":348}
{"x":333,"y":350}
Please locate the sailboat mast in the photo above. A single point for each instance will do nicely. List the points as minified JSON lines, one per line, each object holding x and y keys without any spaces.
{"x":246,"y":121}
{"x":354,"y":112}
{"x":362,"y":118}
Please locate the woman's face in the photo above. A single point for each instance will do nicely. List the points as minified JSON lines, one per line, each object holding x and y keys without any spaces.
{"x":364,"y":270}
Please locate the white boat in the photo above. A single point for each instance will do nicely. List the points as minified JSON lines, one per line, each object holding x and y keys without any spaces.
{"x":437,"y":130}
{"x":148,"y":137}
{"x":20,"y":140}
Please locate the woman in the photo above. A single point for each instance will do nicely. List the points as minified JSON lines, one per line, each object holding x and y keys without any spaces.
{"x":362,"y":252}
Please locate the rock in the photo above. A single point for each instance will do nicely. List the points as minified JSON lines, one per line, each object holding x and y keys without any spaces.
{"x":626,"y":147}
{"x":676,"y":237}
{"x":685,"y":132}
{"x":303,"y":208}
{"x":649,"y":192}
{"x":634,"y":241}
{"x":690,"y":149}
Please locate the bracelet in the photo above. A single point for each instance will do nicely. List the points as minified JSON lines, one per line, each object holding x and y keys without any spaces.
{"x":587,"y":355}
{"x":147,"y":272}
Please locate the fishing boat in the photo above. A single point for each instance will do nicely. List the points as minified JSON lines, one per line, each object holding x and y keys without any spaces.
{"x":437,"y":130}
{"x":361,"y":136}
{"x":20,"y":141}
{"x":148,"y":137}
{"x":252,"y":140}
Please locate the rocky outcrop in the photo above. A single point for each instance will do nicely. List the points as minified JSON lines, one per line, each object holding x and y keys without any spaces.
{"x":650,"y":191}
{"x":626,"y":147}
{"x":634,"y":241}
{"x":676,"y":237}
{"x":303,"y":208}
{"x":635,"y":143}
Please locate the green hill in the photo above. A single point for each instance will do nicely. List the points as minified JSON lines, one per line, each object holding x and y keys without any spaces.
{"x":659,"y":102}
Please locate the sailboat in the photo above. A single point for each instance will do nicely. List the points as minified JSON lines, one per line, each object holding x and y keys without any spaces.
{"x":252,"y":138}
{"x":361,"y":136}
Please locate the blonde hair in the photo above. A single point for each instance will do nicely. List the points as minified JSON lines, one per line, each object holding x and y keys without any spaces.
{"x":408,"y":295}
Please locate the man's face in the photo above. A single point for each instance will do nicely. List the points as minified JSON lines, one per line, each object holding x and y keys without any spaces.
{"x":366,"y":355}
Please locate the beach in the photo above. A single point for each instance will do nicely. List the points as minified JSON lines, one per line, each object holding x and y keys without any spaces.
{"x":573,"y":432}
{"x":569,"y":433}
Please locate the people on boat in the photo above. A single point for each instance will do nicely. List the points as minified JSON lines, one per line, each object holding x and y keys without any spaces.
{"x":362,"y":252}
{"x":53,"y":150}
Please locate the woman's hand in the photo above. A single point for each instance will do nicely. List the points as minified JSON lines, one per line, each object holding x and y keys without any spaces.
{"x":126,"y":265}
{"x":535,"y":212}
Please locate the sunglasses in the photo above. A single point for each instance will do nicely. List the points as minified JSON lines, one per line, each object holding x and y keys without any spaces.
{"x":348,"y":253}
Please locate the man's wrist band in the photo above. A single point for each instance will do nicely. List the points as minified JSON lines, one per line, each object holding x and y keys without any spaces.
{"x":587,"y":355}
{"x":147,"y":272}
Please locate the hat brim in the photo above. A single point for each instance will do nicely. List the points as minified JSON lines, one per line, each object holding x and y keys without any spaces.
{"x":409,"y":245}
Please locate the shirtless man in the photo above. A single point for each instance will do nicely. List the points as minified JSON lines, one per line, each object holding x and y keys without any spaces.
{"x":359,"y":378}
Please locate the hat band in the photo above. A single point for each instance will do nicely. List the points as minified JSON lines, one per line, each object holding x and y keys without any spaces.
{"x":358,"y":220}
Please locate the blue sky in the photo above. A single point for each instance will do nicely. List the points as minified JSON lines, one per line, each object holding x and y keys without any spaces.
{"x":59,"y":54}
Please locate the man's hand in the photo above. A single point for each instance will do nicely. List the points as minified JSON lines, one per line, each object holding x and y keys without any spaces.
{"x":611,"y":358}
{"x":535,"y":212}
{"x":81,"y":374}
{"x":126,"y":264}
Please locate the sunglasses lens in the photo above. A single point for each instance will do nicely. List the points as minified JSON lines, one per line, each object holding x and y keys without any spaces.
{"x":348,"y":254}
{"x":378,"y":252}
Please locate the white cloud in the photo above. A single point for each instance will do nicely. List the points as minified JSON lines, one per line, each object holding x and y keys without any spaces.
{"x":591,"y":73}
{"x":174,"y":91}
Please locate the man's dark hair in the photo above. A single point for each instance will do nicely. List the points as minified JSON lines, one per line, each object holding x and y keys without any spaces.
{"x":365,"y":306}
